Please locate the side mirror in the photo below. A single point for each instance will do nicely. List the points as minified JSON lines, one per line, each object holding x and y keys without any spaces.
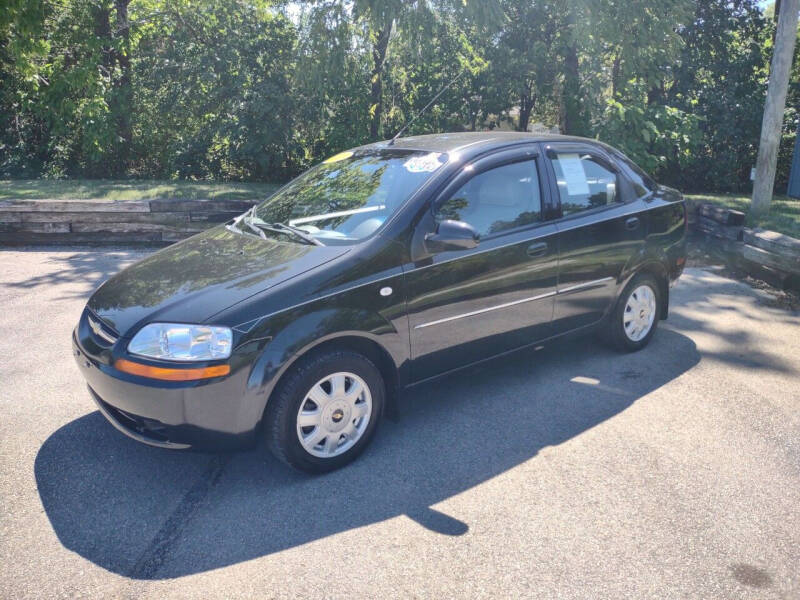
{"x":452,"y":235}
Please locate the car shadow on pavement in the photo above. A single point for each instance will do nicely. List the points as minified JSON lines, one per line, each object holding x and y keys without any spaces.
{"x":148,"y":513}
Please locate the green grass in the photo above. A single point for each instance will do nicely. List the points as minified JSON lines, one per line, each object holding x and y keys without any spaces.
{"x":106,"y":189}
{"x":783,"y":217}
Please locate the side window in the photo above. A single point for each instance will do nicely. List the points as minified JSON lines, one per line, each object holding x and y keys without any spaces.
{"x":584,"y":182}
{"x":501,"y":198}
{"x":642,"y":183}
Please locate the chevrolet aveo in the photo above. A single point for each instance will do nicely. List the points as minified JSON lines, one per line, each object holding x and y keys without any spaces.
{"x":302,"y":319}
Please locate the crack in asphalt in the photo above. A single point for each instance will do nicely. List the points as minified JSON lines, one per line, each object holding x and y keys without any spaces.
{"x":154,"y":556}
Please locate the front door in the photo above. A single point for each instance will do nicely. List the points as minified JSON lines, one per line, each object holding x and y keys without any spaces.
{"x":467,"y":305}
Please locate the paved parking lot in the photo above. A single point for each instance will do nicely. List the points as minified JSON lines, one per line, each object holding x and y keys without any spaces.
{"x":567,"y":472}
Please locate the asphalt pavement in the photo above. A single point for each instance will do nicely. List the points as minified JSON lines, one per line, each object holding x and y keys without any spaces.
{"x":565,"y":472}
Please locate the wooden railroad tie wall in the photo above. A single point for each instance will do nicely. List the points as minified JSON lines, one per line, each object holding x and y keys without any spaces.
{"x":105,"y":222}
{"x":758,"y":247}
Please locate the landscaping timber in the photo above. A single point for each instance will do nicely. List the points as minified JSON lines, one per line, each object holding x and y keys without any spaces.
{"x":98,"y":221}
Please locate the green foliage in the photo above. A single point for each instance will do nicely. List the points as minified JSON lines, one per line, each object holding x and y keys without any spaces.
{"x":722,"y":76}
{"x":424,"y":57}
{"x":658,"y":138}
{"x":55,"y":102}
{"x":330,"y":88}
{"x":214,"y":90}
{"x":260,"y":90}
{"x":525,"y":63}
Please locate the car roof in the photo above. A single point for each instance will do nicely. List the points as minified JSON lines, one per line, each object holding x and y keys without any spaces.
{"x":475,"y":141}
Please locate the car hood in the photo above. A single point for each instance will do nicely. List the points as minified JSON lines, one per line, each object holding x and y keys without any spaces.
{"x":193,"y":280}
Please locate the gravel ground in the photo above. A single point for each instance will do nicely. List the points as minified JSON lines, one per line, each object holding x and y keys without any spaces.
{"x":567,"y":472}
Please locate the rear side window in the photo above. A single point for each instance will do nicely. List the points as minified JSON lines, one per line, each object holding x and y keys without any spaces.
{"x":584,"y":181}
{"x":642,"y":182}
{"x":496,"y":200}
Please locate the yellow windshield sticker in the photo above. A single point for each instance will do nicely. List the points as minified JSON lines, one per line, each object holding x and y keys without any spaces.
{"x":337,"y":157}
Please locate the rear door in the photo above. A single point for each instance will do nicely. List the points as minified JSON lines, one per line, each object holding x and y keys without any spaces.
{"x":467,"y":305}
{"x":600,"y":229}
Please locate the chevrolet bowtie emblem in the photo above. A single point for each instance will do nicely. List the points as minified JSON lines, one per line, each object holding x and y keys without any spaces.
{"x":99,"y":331}
{"x":95,"y":327}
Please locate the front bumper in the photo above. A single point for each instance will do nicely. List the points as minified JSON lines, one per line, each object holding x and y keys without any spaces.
{"x":212,"y":414}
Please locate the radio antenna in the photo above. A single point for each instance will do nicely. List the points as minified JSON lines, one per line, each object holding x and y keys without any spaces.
{"x":427,"y":106}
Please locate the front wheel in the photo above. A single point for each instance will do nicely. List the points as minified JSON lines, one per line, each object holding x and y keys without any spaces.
{"x":325,"y":411}
{"x":633,"y":322}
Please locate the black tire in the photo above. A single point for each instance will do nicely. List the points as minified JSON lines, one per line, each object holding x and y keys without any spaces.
{"x":280,"y":425}
{"x":615,"y":333}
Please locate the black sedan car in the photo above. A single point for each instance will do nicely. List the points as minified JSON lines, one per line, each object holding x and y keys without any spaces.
{"x":381,"y":268}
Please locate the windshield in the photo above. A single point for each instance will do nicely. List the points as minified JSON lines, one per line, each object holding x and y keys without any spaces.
{"x":347,"y":197}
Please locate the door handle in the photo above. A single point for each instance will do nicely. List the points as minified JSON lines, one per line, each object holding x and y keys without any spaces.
{"x":632,"y":223}
{"x":538,"y":249}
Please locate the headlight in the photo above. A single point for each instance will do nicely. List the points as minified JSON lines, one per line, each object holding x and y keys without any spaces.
{"x":178,"y":341}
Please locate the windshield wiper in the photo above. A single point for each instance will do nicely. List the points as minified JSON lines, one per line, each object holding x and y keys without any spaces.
{"x":255,"y":223}
{"x":257,"y":230}
{"x":301,"y":233}
{"x":244,"y":218}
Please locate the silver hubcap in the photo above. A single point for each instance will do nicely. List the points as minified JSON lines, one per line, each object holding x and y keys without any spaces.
{"x":640,"y":312}
{"x":334,"y":415}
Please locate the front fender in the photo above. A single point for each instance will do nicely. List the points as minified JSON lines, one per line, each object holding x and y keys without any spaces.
{"x":295,"y":333}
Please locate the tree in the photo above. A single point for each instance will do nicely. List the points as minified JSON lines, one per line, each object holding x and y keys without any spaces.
{"x":261,"y":89}
{"x":573,"y":112}
{"x":21,"y":43}
{"x":329,"y":81}
{"x":382,"y":16}
{"x":525,"y":61}
{"x":720,"y":69}
{"x":427,"y":56}
{"x":72,"y":82}
{"x":214,"y":93}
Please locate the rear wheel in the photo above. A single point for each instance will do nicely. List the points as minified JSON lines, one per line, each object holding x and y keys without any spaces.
{"x":325,"y":411}
{"x":632,"y":324}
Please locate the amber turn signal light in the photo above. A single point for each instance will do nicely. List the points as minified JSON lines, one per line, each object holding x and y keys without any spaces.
{"x":166,"y":374}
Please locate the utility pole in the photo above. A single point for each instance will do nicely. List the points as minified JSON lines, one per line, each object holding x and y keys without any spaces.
{"x":783,"y":52}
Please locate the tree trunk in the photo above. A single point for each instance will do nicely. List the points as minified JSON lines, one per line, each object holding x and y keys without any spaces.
{"x":572,"y":111}
{"x":616,"y":72}
{"x":773,"y":109}
{"x":123,"y":91}
{"x":102,"y":31}
{"x":656,"y":93}
{"x":376,"y":78}
{"x":101,"y":15}
{"x":573,"y":120}
{"x":526,"y":104}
